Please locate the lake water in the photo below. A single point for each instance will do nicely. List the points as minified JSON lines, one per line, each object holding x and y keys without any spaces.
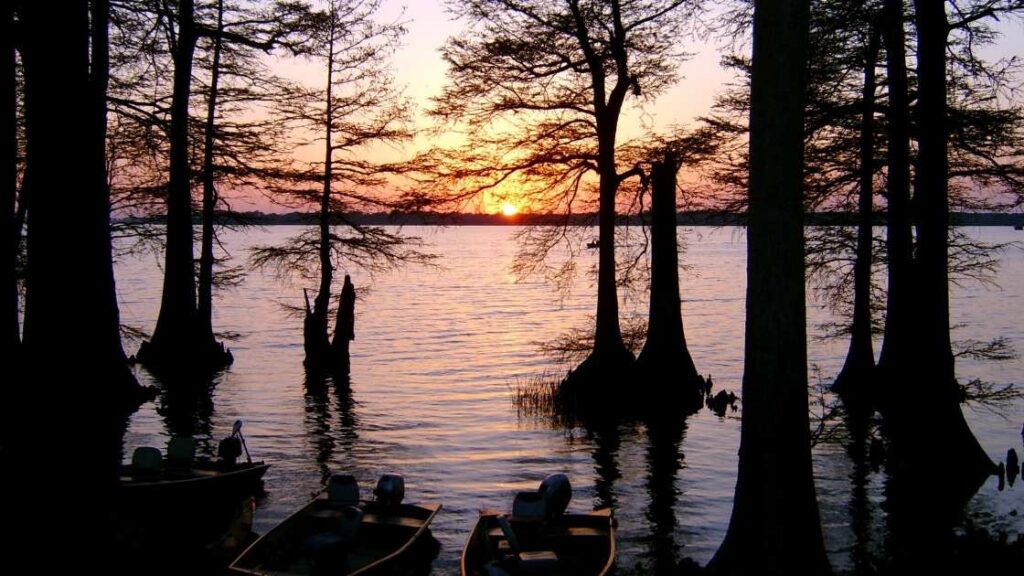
{"x":438,"y":351}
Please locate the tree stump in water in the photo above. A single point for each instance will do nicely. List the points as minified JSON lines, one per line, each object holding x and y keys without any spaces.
{"x":326,"y":356}
{"x":344,"y":329}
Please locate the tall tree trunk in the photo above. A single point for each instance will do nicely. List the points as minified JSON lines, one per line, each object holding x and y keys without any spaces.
{"x":775,"y":527}
{"x":899,"y":242}
{"x":932,"y":387}
{"x":173,"y":343}
{"x":75,"y":367}
{"x":607,"y":335}
{"x":610,"y":355}
{"x":610,"y":359}
{"x":206,"y":256}
{"x":594,"y":378}
{"x":854,"y":379}
{"x":931,"y":201}
{"x":80,"y":319}
{"x":8,"y":179}
{"x":99,"y":208}
{"x":665,"y":361}
{"x":317,"y":342}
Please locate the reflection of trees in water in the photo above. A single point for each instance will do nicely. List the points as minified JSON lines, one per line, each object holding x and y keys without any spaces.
{"x":112,"y":444}
{"x":664,"y":461}
{"x":859,"y":504}
{"x":187,"y":410}
{"x":920,"y":519}
{"x":606,"y":438}
{"x":916,"y":523}
{"x":331,"y":421}
{"x":913,"y":523}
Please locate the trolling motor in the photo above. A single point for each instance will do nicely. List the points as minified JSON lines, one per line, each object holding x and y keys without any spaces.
{"x":231,"y":447}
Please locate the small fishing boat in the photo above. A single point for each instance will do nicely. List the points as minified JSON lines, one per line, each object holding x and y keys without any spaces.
{"x":538,"y":537}
{"x":337,"y":533}
{"x":179,"y":478}
{"x":182,"y":509}
{"x":201,"y":480}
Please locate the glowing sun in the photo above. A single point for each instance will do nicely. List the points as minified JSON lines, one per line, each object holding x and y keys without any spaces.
{"x":509,"y":209}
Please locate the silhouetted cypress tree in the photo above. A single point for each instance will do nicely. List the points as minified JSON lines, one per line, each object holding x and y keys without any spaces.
{"x":178,"y":343}
{"x":10,"y":242}
{"x":899,"y":247}
{"x":560,"y":74}
{"x":238,"y":150}
{"x":209,"y":200}
{"x":664,"y":363}
{"x":11,"y":337}
{"x":8,"y":174}
{"x":355,"y":108}
{"x":854,"y":380}
{"x":774,"y":528}
{"x":75,"y":367}
{"x":925,"y":397}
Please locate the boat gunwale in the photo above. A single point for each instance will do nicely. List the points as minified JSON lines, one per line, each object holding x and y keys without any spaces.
{"x":433,"y":509}
{"x":252,"y":468}
{"x":485,"y":514}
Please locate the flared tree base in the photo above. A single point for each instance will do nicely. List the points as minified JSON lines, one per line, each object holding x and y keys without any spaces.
{"x":184,"y":361}
{"x":856,"y":386}
{"x":668,"y":382}
{"x":598,"y":383}
{"x":126,"y":394}
{"x":931,"y":442}
{"x":336,"y":365}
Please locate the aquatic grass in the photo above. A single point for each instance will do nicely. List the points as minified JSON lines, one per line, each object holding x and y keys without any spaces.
{"x":541,"y":399}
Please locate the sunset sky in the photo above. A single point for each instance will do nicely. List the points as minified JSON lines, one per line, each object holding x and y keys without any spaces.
{"x":418,"y":64}
{"x":419,"y":69}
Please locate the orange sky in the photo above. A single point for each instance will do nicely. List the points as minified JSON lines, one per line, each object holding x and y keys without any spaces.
{"x":419,"y":69}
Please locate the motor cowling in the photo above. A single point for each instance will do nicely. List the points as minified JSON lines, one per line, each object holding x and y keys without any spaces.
{"x":343,"y":489}
{"x":390,"y":489}
{"x":557,"y":492}
{"x":229,"y":449}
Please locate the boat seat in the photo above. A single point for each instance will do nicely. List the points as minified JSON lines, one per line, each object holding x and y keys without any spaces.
{"x":539,"y":562}
{"x":528,"y":562}
{"x":147,"y":461}
{"x":391,"y":520}
{"x":337,"y":540}
{"x":575,"y":532}
{"x":560,"y":532}
{"x":181,"y":451}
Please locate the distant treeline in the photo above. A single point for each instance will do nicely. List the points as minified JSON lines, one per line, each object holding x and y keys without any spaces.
{"x":700,"y":218}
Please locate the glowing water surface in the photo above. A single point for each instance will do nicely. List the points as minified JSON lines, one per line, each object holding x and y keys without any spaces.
{"x":435,"y":355}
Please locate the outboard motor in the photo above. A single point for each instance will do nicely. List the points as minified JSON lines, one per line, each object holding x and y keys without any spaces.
{"x":229,"y":450}
{"x":530,"y":505}
{"x":343,"y":489}
{"x":558,"y":492}
{"x":390,"y":489}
